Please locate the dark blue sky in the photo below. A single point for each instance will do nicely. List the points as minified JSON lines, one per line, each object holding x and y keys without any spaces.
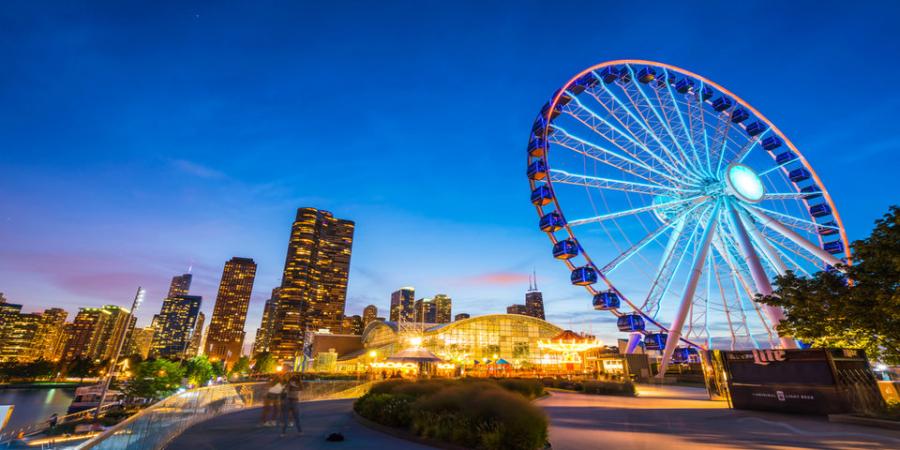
{"x":139,"y":139}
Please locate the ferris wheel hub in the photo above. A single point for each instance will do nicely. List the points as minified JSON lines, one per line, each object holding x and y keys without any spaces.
{"x":744,"y":183}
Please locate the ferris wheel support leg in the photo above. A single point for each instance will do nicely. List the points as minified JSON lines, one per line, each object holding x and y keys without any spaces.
{"x":633,"y":341}
{"x":760,"y":279}
{"x":769,"y":222}
{"x":689,"y":290}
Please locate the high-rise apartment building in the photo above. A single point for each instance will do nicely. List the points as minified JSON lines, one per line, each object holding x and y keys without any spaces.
{"x":264,"y":332}
{"x":139,"y":342}
{"x":370,"y":314}
{"x":175,"y":326}
{"x":534,"y":300}
{"x":53,"y":321}
{"x":225,"y":336}
{"x":403,"y":305}
{"x":425,"y":310}
{"x":196,"y":346}
{"x":314,"y":283}
{"x":21,"y":337}
{"x":443,"y":306}
{"x":85,"y":338}
{"x":516,"y":309}
{"x":353,"y":325}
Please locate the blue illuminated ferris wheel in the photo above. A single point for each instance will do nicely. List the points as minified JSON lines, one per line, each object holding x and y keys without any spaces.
{"x":688,"y":199}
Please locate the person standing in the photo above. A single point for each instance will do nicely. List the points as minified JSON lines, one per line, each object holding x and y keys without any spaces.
{"x":271,"y":406}
{"x":290,"y":403}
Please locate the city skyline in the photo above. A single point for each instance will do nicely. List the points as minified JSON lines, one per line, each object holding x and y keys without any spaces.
{"x":160,"y":157}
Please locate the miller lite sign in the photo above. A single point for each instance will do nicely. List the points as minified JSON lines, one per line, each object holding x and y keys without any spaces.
{"x":765,"y":357}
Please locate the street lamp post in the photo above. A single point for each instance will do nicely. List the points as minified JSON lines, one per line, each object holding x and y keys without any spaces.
{"x":120,"y":341}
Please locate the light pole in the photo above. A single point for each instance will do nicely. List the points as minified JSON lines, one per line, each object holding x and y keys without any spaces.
{"x":119,"y":342}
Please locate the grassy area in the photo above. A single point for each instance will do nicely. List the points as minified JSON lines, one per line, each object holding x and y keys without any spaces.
{"x":473,"y":413}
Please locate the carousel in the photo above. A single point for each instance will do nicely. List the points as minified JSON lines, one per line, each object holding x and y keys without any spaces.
{"x":565,"y":352}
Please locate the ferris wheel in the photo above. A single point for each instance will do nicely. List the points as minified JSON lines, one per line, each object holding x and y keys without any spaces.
{"x":688,"y":199}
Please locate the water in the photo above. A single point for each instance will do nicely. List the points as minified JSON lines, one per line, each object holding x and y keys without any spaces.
{"x":35,"y":404}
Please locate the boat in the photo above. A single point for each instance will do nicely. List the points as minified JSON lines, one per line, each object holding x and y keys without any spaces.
{"x":88,"y":397}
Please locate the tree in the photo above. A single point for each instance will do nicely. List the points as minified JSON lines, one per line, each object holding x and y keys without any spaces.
{"x":82,"y":367}
{"x":265,"y":363}
{"x":859,"y":308}
{"x":155,"y":379}
{"x":198,"y":370}
{"x":218,"y":368}
{"x":240,"y":367}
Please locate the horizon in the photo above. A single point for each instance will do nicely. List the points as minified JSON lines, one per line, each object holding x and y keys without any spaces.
{"x":141,"y":142}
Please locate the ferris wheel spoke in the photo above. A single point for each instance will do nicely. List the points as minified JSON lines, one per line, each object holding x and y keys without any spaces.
{"x":674,"y":253}
{"x":563,"y":138}
{"x":629,"y":212}
{"x":638,"y":246}
{"x":786,"y":245}
{"x":684,"y":130}
{"x":769,"y":222}
{"x":612,"y":104}
{"x":773,"y":258}
{"x":787,"y":257}
{"x":725,"y":307}
{"x":740,"y":273}
{"x":698,"y":127}
{"x":720,"y":138}
{"x":655,"y":128}
{"x":794,"y":222}
{"x":690,"y":288}
{"x":563,"y":177}
{"x":587,"y":117}
{"x":668,"y":110}
{"x":748,"y":146}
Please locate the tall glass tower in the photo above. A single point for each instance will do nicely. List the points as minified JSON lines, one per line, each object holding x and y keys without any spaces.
{"x":225,"y":336}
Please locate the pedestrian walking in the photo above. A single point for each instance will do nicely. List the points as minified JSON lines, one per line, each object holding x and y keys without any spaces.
{"x":290,"y":403}
{"x":271,"y":406}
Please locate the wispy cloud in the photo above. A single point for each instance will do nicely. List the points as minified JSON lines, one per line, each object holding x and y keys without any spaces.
{"x":196,"y":169}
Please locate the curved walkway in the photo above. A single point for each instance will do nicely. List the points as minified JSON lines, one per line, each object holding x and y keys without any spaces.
{"x":678,"y":417}
{"x":239,"y":430}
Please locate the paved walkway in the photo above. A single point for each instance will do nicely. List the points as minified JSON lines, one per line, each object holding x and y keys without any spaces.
{"x":239,"y":430}
{"x":678,"y":417}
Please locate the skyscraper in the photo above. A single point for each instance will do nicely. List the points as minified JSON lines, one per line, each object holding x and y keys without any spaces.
{"x":402,"y":305}
{"x":139,"y":342}
{"x":226,"y":327}
{"x":264,"y":332}
{"x":534,"y":299}
{"x":180,"y":285}
{"x":85,"y":338}
{"x":443,"y":305}
{"x":53,"y":323}
{"x":176,"y":323}
{"x":425,"y":310}
{"x":314,"y":284}
{"x":353,"y":325}
{"x":370,"y":313}
{"x":516,"y":309}
{"x":195,"y":347}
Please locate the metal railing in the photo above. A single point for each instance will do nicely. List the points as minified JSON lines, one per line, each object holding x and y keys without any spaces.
{"x":44,"y":425}
{"x":156,"y":426}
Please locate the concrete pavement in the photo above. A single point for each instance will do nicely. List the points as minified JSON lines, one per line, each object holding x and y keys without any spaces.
{"x":679,"y":417}
{"x":239,"y":430}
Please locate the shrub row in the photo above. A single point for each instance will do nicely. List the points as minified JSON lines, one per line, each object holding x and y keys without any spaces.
{"x":593,"y":387}
{"x":471,"y":413}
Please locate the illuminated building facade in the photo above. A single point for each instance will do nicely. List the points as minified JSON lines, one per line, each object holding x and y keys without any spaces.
{"x":85,"y":338}
{"x":511,"y":337}
{"x":264,"y":332}
{"x":225,"y":336}
{"x":53,"y":333}
{"x":20,"y":333}
{"x":353,"y":325}
{"x":314,"y":283}
{"x":534,"y":304}
{"x":425,"y":310}
{"x":139,"y":342}
{"x":370,"y":314}
{"x":176,"y":323}
{"x":180,"y":285}
{"x":195,"y":347}
{"x":403,"y":305}
{"x":443,"y":308}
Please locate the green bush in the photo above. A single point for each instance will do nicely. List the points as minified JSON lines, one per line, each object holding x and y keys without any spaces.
{"x":609,"y":388}
{"x":472,"y":413}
